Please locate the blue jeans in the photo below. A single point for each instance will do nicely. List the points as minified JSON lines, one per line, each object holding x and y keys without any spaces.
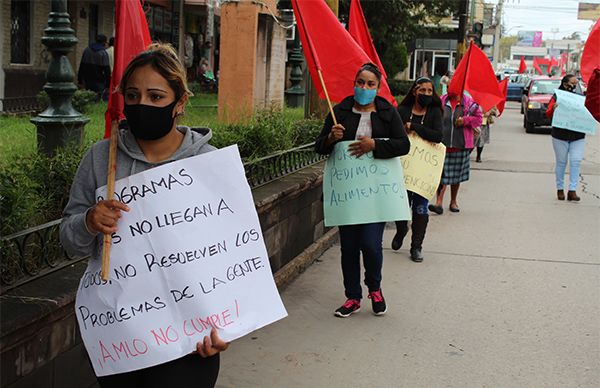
{"x":367,"y":238}
{"x":573,"y":152}
{"x":418,"y":204}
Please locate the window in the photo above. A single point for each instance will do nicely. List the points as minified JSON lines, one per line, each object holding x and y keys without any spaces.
{"x":20,"y":31}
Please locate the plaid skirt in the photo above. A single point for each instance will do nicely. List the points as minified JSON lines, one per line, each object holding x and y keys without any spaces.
{"x":456,"y":167}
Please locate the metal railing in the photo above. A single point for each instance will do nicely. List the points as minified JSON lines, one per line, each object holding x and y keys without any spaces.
{"x":27,"y":104}
{"x":35,"y":252}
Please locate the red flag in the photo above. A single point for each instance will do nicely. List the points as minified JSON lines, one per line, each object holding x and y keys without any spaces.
{"x":358,"y":28}
{"x":475,"y":75}
{"x":522,"y":65}
{"x":590,"y":59}
{"x":503,"y":86}
{"x":329,"y":47}
{"x":131,"y":37}
{"x":592,"y":97}
{"x":536,"y":65}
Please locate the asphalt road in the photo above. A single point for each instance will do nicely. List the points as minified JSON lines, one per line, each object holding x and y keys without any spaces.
{"x":508,"y":294}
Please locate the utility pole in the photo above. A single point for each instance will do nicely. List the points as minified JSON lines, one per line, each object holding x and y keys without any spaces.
{"x":497,"y":34}
{"x":462,"y":28}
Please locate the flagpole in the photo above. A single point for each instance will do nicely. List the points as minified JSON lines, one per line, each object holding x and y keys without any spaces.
{"x":110,"y":189}
{"x":315,"y":58}
{"x":327,"y":96}
{"x":462,"y":90}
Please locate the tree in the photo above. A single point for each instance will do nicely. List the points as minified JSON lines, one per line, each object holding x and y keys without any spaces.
{"x":505,"y":44}
{"x":574,"y":36}
{"x":394,"y":23}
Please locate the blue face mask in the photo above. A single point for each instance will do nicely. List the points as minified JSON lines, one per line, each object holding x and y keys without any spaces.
{"x":364,"y":96}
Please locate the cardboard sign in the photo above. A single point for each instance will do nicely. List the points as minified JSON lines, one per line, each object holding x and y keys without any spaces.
{"x":423,"y":166}
{"x":363,"y":190}
{"x":188,"y":257}
{"x":572,"y":114}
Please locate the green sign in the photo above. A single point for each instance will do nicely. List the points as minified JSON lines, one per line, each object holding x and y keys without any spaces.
{"x":363,"y":190}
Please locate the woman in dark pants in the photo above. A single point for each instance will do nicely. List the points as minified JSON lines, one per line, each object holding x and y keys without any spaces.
{"x":155,"y":92}
{"x":421,"y":110}
{"x":376,"y":126}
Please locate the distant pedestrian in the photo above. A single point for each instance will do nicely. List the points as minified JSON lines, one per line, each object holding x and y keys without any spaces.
{"x":111,"y":53}
{"x":375,"y":125}
{"x":94,"y":68}
{"x":461,"y":116}
{"x":568,"y":146}
{"x":445,"y":81}
{"x":484,"y":136}
{"x":421,"y":111}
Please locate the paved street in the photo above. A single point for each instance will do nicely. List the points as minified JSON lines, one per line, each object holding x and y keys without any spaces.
{"x":508,"y":294}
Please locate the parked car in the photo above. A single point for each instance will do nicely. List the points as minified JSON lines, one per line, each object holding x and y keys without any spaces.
{"x":536,"y":96}
{"x":516,"y":84}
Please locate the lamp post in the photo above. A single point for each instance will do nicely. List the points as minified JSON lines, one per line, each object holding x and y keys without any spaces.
{"x":59,"y":125}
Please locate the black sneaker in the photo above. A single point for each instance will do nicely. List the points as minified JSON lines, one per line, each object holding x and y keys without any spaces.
{"x":350,"y":307}
{"x":378,"y":303}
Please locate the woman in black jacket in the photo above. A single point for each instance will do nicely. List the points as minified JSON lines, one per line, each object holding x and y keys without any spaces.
{"x":421,"y":110}
{"x":376,"y":126}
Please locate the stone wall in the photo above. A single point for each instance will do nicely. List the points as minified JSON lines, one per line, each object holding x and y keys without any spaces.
{"x":40,"y":342}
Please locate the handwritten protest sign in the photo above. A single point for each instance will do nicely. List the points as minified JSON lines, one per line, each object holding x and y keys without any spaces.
{"x":572,"y":114}
{"x":188,"y":257}
{"x":362,"y":190}
{"x":423,"y":166}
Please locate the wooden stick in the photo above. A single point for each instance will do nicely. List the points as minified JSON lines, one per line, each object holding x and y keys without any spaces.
{"x":110,"y":190}
{"x":327,"y":96}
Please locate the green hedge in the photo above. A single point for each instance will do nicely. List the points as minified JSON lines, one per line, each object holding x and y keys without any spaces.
{"x":399,"y":87}
{"x":35,"y":188}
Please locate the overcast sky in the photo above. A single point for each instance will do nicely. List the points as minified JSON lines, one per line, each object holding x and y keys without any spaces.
{"x":544,"y":15}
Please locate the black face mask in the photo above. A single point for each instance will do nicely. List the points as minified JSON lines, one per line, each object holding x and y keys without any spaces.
{"x":424,"y":100}
{"x":148,"y":122}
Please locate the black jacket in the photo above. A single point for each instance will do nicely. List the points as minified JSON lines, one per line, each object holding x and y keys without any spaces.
{"x":431,"y":129}
{"x":385,"y":123}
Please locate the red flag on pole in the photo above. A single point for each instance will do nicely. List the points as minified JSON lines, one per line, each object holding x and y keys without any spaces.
{"x":503,"y":86}
{"x":536,"y":65}
{"x":131,"y":37}
{"x":328,"y":47}
{"x":475,"y":74}
{"x":522,"y":65}
{"x":590,"y":59}
{"x":358,"y":28}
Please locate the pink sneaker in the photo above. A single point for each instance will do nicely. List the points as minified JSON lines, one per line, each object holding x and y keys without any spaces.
{"x":378,"y":302}
{"x":350,"y":307}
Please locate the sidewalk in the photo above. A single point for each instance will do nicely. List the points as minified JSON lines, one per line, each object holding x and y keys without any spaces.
{"x":508,"y":294}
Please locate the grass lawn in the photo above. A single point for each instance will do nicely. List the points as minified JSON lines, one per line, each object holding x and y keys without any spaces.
{"x":18,"y":134}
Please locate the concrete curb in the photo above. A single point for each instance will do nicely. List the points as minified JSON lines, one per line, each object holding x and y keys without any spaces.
{"x":294,"y":268}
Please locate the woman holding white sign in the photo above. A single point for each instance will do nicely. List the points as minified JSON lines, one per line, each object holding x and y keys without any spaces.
{"x":155,"y":92}
{"x":421,"y":110}
{"x":568,"y":146}
{"x":376,"y":126}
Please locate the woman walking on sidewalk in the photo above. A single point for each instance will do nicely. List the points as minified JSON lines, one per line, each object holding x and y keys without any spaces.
{"x":484,"y":136}
{"x":155,"y":92}
{"x":461,"y":116}
{"x":421,"y":110}
{"x":375,"y":126}
{"x":568,"y":145}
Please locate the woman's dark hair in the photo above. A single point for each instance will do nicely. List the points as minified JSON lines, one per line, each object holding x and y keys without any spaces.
{"x":410,"y":99}
{"x":565,"y":79}
{"x":372,"y":68}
